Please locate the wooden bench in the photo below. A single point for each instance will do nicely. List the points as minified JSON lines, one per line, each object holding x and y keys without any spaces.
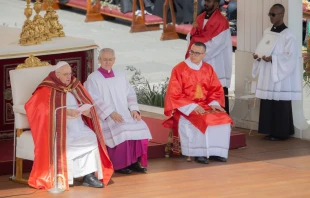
{"x":173,"y":31}
{"x":95,"y":12}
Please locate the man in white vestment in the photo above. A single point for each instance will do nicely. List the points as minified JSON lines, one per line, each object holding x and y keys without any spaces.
{"x":212,"y":29}
{"x":279,"y":80}
{"x":126,"y":135}
{"x":80,"y":145}
{"x":194,"y":99}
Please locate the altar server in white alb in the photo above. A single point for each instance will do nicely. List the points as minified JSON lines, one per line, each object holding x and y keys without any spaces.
{"x":126,"y":135}
{"x":213,"y":30}
{"x":279,"y":80}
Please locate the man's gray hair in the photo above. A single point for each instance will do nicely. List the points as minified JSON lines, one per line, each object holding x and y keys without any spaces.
{"x":106,"y":50}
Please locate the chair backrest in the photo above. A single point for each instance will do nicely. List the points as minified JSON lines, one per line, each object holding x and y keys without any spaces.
{"x":24,"y":82}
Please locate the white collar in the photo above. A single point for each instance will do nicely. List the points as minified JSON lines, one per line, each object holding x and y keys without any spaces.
{"x":193,"y":65}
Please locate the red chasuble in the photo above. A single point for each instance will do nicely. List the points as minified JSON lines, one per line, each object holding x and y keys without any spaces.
{"x":40,"y":108}
{"x":216,"y":24}
{"x":187,"y":86}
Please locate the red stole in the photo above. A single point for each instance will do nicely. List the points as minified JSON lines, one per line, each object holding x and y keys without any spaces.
{"x":215,"y":25}
{"x":49,"y":95}
{"x":187,"y":86}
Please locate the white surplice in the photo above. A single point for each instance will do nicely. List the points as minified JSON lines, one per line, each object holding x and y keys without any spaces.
{"x":214,"y":142}
{"x":219,"y":55}
{"x":81,"y":146}
{"x":281,"y":78}
{"x":116,"y":94}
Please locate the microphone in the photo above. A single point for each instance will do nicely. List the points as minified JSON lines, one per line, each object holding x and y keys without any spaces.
{"x":55,"y":189}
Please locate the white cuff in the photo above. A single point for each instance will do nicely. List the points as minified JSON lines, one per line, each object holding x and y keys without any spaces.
{"x":187,"y":109}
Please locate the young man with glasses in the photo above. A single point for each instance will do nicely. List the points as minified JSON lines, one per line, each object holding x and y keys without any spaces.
{"x":212,"y":29}
{"x":195,"y":101}
{"x":279,"y":80}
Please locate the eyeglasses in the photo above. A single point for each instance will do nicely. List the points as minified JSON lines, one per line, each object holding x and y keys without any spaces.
{"x":66,"y":74}
{"x":270,"y":14}
{"x":108,"y":59}
{"x":191,"y":52}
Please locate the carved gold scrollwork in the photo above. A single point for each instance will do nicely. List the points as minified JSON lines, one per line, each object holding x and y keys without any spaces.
{"x":32,"y":61}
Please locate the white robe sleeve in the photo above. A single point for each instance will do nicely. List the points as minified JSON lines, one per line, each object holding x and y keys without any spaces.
{"x":284,"y":64}
{"x":131,"y":98}
{"x":217,"y":44}
{"x":103,"y":109}
{"x":255,"y":68}
{"x":214,"y":103}
{"x":187,"y":109}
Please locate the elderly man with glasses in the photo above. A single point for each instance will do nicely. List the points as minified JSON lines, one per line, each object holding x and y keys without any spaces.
{"x":126,"y":134}
{"x":80,"y":144}
{"x":195,"y":101}
{"x":279,"y":79}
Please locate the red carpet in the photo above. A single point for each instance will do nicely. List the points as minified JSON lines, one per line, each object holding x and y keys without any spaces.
{"x":156,"y":147}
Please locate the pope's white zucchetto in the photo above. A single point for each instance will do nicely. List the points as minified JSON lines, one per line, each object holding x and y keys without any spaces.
{"x":61,"y":64}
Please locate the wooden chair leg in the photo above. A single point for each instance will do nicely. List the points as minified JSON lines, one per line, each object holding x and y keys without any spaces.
{"x":19,"y":172}
{"x":19,"y":165}
{"x":169,"y":31}
{"x":93,"y":11}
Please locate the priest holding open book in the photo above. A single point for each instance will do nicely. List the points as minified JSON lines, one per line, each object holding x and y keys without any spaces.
{"x":279,"y":79}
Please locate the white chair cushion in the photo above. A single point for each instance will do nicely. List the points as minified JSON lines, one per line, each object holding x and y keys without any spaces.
{"x":25,"y":146}
{"x":19,"y":109}
{"x":25,"y":81}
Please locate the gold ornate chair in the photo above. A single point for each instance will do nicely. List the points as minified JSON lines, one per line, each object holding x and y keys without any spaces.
{"x":24,"y":80}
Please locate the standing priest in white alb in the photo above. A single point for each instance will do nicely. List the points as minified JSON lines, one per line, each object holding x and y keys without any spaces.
{"x":126,"y":135}
{"x":212,"y":29}
{"x":279,"y":80}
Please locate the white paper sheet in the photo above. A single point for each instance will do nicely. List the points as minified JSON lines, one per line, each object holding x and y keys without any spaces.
{"x":84,"y":107}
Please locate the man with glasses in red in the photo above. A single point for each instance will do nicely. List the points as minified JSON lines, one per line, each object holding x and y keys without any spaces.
{"x":279,"y":80}
{"x":195,"y":101}
{"x":212,"y":29}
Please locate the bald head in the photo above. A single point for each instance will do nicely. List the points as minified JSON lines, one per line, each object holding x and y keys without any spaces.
{"x":276,"y":14}
{"x":279,"y":7}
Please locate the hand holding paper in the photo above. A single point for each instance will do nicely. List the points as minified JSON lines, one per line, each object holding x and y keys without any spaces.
{"x":85,"y":109}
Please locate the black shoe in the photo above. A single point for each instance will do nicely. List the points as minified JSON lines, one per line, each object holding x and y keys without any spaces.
{"x":138,"y":168}
{"x":218,"y":158}
{"x":124,"y":171}
{"x":273,"y":138}
{"x":267,"y":137}
{"x":92,"y":181}
{"x":202,"y":160}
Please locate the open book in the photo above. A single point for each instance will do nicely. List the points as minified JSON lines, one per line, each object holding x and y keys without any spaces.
{"x":267,"y":44}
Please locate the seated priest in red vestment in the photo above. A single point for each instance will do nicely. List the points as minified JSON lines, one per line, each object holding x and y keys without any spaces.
{"x":126,"y":134}
{"x":212,"y":29}
{"x":81,"y":151}
{"x":195,"y":100}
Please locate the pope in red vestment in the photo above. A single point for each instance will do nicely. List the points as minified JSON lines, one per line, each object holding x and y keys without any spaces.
{"x":49,"y":95}
{"x":194,"y":100}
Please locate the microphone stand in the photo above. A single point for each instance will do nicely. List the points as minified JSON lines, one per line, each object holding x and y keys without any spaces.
{"x":55,"y":189}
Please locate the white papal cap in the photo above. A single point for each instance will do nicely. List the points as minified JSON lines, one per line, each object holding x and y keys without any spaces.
{"x":61,"y":64}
